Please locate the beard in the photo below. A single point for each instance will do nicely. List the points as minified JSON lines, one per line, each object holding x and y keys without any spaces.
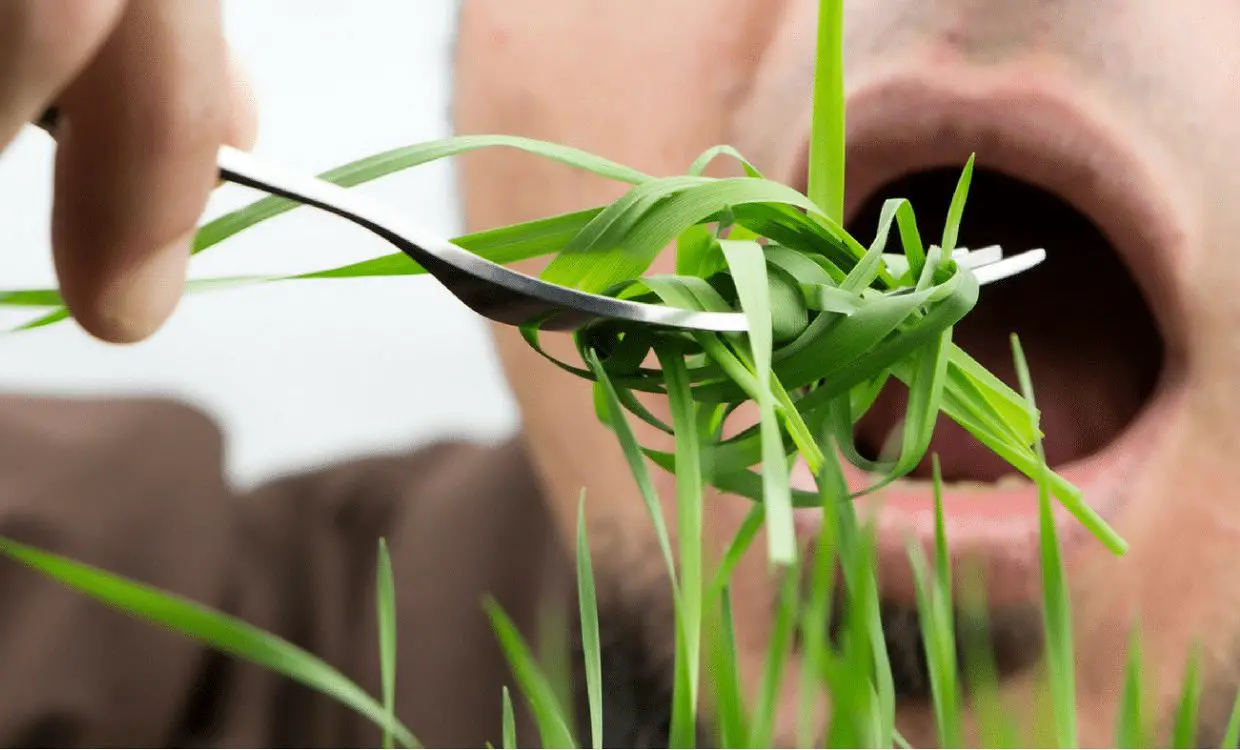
{"x":636,"y":633}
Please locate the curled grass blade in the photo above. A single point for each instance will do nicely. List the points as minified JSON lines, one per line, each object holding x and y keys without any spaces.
{"x":386,"y":163}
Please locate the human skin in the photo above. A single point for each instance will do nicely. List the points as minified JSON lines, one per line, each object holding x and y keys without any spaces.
{"x":1124,"y":109}
{"x":146,"y":92}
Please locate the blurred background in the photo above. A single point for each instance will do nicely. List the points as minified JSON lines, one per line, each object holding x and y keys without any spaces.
{"x":300,"y":373}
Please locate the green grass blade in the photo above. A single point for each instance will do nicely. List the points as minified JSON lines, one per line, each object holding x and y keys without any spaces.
{"x":762,"y":728}
{"x":689,"y":532}
{"x":955,"y":212}
{"x":934,"y":596}
{"x":553,"y":725}
{"x":1184,"y":732}
{"x":385,"y":588}
{"x":736,"y":549}
{"x":937,"y":637}
{"x":591,"y":651}
{"x":207,"y":626}
{"x":637,"y":463}
{"x":1057,"y":614}
{"x":749,"y":273}
{"x":826,"y":146}
{"x":724,"y":675}
{"x":1231,"y":735}
{"x":996,"y":727}
{"x":509,"y":723}
{"x":1130,"y":727}
{"x":817,"y":616}
{"x":406,"y":157}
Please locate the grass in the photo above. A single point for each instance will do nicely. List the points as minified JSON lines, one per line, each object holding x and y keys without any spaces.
{"x":831,"y":323}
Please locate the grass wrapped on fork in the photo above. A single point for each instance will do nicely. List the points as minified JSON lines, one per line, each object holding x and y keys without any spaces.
{"x":831,"y":323}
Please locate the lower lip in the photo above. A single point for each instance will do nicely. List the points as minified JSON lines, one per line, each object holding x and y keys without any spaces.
{"x":996,"y":526}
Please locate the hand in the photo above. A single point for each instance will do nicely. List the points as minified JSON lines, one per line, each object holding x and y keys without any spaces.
{"x":147,"y":93}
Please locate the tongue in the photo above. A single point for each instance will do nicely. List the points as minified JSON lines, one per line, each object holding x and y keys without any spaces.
{"x":1086,"y":399}
{"x":961,"y":456}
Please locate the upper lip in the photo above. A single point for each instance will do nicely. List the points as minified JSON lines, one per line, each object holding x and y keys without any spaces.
{"x":1039,"y":133}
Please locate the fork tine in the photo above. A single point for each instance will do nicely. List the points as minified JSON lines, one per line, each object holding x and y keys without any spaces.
{"x":1002,"y":269}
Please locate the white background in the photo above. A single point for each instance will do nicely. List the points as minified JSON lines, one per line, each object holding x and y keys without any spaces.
{"x":297,"y":373}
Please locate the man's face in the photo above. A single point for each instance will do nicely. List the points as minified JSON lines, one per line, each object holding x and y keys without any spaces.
{"x":1105,"y":132}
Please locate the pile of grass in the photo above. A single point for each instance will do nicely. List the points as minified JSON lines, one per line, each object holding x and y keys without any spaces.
{"x":831,"y":323}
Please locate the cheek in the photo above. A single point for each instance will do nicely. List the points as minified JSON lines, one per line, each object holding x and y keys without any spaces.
{"x":647,"y":83}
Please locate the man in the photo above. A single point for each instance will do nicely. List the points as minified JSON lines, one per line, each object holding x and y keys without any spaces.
{"x":1104,"y":132}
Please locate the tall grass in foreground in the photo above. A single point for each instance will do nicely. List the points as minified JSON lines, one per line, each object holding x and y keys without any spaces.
{"x":831,"y":322}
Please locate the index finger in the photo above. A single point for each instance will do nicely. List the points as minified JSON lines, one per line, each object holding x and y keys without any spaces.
{"x":136,"y":163}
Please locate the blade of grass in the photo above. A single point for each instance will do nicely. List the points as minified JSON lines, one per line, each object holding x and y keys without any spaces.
{"x":539,"y":693}
{"x":210,"y":627}
{"x":817,"y":615}
{"x":931,"y":609}
{"x":826,"y":145}
{"x":762,"y":728}
{"x":1231,"y":735}
{"x":689,"y":532}
{"x":636,"y":461}
{"x":588,"y":604}
{"x":509,"y":723}
{"x":1184,"y":733}
{"x":1130,"y":729}
{"x":554,"y":654}
{"x":934,"y":595}
{"x":724,"y":676}
{"x":749,"y":272}
{"x":736,"y":549}
{"x":1057,"y":614}
{"x":385,"y":588}
{"x":996,"y":727}
{"x":955,"y":212}
{"x":386,"y":163}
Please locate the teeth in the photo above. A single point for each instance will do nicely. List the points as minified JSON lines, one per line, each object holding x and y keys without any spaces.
{"x":969,"y":486}
{"x":1006,"y":482}
{"x":1010,"y":266}
{"x":1011,"y":481}
{"x":890,"y":450}
{"x":974,"y":258}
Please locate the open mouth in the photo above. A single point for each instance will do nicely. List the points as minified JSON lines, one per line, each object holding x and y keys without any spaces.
{"x":1098,"y":320}
{"x":1094,"y":349}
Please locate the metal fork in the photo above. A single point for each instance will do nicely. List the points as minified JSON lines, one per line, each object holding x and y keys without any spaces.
{"x":495,"y":291}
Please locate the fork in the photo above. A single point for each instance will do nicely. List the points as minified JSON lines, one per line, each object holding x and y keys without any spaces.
{"x":495,"y":291}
